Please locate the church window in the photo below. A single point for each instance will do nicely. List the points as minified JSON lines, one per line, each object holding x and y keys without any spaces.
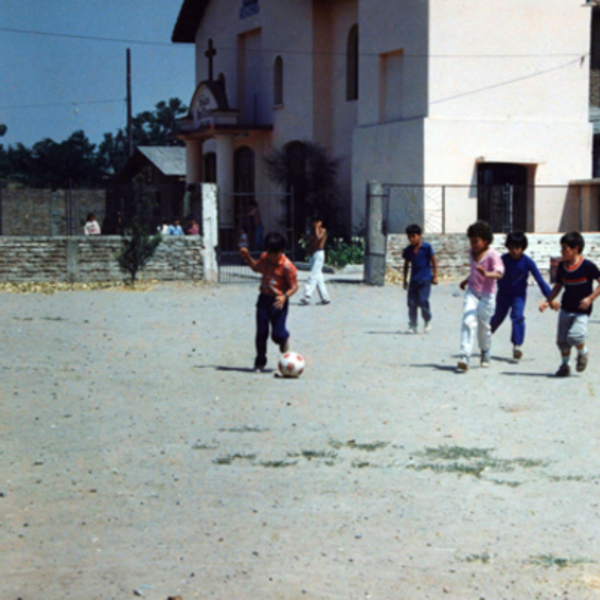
{"x":352,"y":64}
{"x":249,"y":8}
{"x":278,"y":81}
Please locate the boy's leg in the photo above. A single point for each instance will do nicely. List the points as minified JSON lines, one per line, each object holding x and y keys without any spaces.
{"x":469,"y":324}
{"x":485,"y":311}
{"x":517,"y":317}
{"x":576,"y":337}
{"x":280,"y":334}
{"x":562,"y":333}
{"x":262,"y":330}
{"x":503,"y":303}
{"x":412,"y":300}
{"x":311,"y":282}
{"x":424,"y":293}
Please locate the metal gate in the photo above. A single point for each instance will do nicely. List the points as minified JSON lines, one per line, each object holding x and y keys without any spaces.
{"x":276,"y":214}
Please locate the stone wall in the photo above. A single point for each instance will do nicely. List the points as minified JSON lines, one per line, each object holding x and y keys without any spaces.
{"x":29,"y":211}
{"x":93,"y":258}
{"x":452,"y":251}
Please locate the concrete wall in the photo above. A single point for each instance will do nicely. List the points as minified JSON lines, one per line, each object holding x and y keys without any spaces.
{"x":452,"y":251}
{"x":30,"y":211}
{"x":87,"y":259}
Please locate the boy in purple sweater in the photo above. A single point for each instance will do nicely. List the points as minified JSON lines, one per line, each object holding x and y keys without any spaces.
{"x":480,"y":295}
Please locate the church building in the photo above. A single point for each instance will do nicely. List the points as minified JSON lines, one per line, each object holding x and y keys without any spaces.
{"x":454,"y":93}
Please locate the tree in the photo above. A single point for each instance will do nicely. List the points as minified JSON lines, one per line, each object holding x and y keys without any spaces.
{"x":306,"y":169}
{"x":3,"y":129}
{"x":149,"y":128}
{"x":137,"y":244}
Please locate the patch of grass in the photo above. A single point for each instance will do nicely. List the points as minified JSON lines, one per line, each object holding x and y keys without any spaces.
{"x":227,"y":460}
{"x":310,"y":454}
{"x":484,"y":557}
{"x":361,"y":464}
{"x":470,"y":461}
{"x":512,"y":484}
{"x":570,"y":478}
{"x":370,"y":447}
{"x":276,"y":464}
{"x":549,"y":560}
{"x":199,"y":446}
{"x":244,"y":429}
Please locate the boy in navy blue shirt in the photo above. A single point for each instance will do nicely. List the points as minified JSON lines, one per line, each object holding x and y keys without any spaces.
{"x":423,"y":272}
{"x":512,"y":289}
{"x":577,"y":275}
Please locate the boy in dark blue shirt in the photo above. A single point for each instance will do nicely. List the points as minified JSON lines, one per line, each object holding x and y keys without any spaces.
{"x":512,"y":289}
{"x":423,"y":272}
{"x":577,"y":275}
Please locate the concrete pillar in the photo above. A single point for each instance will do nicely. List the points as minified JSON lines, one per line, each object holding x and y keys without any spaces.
{"x":210,"y":232}
{"x":193,"y":161}
{"x":376,"y":240}
{"x":224,"y":148}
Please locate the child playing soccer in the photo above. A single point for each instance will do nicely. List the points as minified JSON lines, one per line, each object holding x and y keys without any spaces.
{"x":480,"y":295}
{"x":423,"y":272}
{"x":279,"y":282}
{"x":576,"y":274}
{"x":512,"y":289}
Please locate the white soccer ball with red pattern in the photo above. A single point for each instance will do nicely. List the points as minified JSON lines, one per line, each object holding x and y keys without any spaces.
{"x":291,"y":364}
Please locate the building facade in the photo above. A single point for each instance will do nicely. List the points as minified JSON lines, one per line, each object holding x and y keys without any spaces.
{"x":412,"y":92}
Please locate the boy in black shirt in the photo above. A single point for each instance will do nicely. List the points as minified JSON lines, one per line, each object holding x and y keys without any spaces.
{"x":576,"y":274}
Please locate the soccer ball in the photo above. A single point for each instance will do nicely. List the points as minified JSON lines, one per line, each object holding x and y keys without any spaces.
{"x":291,"y":364}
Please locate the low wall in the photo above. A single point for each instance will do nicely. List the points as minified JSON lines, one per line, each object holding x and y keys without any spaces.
{"x":93,"y":258}
{"x":452,"y":251}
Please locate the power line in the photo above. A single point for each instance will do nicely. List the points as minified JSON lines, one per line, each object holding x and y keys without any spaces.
{"x":297,"y":52}
{"x":75,"y":103}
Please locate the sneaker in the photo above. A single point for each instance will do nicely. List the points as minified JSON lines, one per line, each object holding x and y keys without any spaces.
{"x":327,"y":301}
{"x":463,"y":364}
{"x":517,"y":352}
{"x":285,"y":346}
{"x":259,"y":367}
{"x":485,"y":359}
{"x":427,"y":327}
{"x":411,"y":329}
{"x":304,"y":301}
{"x":563,"y":371}
{"x":582,"y":361}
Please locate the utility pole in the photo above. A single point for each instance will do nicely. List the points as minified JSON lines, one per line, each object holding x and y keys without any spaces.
{"x":129,"y":130}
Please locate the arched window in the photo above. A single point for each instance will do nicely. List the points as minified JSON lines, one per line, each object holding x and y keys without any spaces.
{"x":278,"y":81}
{"x":352,"y":64}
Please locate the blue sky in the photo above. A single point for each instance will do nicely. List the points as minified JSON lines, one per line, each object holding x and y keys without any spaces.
{"x":85,"y":79}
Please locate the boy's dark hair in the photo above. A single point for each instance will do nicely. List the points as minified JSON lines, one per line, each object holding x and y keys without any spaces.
{"x":414,"y":228}
{"x":274,"y":242}
{"x":573,"y":239}
{"x":517,"y":239}
{"x":316,"y":216}
{"x":481,"y":229}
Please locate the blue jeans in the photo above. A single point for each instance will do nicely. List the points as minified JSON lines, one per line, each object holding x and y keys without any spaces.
{"x":516,"y":305}
{"x":418,"y":297}
{"x":267,"y":314}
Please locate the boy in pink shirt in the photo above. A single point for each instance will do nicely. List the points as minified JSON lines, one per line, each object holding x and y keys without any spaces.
{"x":480,"y":295}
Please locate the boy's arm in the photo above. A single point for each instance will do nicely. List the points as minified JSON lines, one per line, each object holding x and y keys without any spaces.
{"x":586,"y":302}
{"x":253,"y":264}
{"x":550,"y":302}
{"x":281,"y":299}
{"x":542,"y":284}
{"x":434,"y":266}
{"x":405,"y":273}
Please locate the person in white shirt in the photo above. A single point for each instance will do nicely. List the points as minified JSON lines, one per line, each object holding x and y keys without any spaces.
{"x":91,"y":226}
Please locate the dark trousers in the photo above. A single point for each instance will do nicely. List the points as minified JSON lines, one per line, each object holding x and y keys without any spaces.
{"x":267,"y":315}
{"x":418,"y":297}
{"x":516,"y":305}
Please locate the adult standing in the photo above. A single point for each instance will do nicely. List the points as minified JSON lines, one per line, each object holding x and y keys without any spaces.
{"x":254,"y":212}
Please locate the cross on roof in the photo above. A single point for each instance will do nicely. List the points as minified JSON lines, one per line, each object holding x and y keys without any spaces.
{"x":210,"y":54}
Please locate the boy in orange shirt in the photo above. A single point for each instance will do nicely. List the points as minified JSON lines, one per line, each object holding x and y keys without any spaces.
{"x":278,"y":284}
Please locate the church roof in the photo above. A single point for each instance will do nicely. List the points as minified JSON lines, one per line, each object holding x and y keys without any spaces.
{"x":190,"y":15}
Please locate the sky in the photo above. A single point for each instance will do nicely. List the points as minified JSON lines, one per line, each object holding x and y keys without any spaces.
{"x":51,"y":86}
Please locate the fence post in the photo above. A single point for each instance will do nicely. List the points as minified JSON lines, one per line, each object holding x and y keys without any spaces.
{"x":210,"y":232}
{"x":376,"y":240}
{"x":443,"y":209}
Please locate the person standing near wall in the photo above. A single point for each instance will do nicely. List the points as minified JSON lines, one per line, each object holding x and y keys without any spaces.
{"x":91,"y":225}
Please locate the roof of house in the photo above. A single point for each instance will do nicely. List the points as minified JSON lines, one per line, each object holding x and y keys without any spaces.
{"x":190,"y":15}
{"x":170,"y":160}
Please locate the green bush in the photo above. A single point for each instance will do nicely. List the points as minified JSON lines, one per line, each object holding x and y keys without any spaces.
{"x":341,"y":253}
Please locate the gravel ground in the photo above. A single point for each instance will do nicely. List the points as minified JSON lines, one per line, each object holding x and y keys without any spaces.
{"x":141,"y":456}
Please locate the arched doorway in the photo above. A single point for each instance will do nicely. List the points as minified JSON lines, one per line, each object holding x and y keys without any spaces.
{"x":502,"y":196}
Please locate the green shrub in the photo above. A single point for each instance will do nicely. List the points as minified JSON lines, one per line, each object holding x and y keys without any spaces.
{"x":341,"y":253}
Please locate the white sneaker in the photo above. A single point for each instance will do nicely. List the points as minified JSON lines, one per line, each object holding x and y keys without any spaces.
{"x":411,"y":329}
{"x":427,"y":327}
{"x":485,"y":359}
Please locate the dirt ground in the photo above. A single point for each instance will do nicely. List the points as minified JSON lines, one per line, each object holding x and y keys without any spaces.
{"x":141,"y":456}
